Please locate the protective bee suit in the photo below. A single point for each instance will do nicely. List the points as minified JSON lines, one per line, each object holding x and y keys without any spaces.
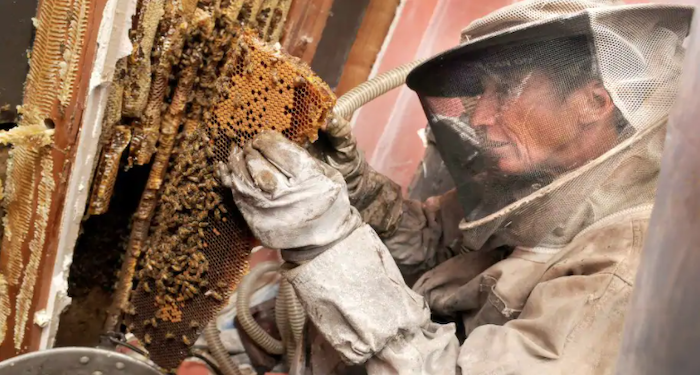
{"x":550,"y":117}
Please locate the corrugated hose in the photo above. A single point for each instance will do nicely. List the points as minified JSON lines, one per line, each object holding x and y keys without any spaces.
{"x":218,"y":351}
{"x":352,"y":100}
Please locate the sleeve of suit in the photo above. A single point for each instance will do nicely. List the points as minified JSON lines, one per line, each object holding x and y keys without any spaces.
{"x":356,"y":297}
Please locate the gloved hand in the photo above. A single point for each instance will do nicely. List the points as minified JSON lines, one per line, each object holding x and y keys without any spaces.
{"x":376,"y":197}
{"x":289,"y":199}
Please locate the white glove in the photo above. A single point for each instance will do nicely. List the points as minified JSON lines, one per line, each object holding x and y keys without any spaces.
{"x":289,"y":199}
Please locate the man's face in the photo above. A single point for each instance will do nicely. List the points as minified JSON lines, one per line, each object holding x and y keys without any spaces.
{"x":528,"y":125}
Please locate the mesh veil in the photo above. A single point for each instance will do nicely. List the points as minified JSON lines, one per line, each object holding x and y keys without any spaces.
{"x":540,"y":112}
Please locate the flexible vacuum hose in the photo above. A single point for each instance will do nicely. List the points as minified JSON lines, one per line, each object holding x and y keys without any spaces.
{"x":218,"y":351}
{"x":251,"y":327}
{"x":352,"y":100}
{"x":282,"y":318}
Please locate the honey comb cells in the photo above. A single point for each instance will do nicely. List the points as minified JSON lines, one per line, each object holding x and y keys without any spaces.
{"x":198,"y":243}
{"x":267,"y":91}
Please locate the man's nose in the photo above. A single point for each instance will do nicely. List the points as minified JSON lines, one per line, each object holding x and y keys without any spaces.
{"x":486,"y":110}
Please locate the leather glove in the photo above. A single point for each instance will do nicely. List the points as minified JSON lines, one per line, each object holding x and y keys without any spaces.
{"x":376,"y":197}
{"x":289,"y":199}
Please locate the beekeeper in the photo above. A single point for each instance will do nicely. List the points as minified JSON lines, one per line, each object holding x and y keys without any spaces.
{"x":550,"y":117}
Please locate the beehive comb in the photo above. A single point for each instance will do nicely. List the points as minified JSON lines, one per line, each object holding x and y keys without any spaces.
{"x":197,"y":251}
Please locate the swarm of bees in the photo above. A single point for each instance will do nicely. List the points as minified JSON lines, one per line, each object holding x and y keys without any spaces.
{"x":217,"y":84}
{"x":174,"y":267}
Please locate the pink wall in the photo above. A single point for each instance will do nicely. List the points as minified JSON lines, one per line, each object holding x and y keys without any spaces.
{"x":387,"y":128}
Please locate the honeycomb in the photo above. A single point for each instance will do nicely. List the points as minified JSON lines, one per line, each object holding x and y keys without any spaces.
{"x":107,"y":171}
{"x":198,"y":244}
{"x":262,"y":89}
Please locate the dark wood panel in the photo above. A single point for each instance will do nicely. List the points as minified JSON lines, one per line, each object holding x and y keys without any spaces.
{"x":304,"y":26}
{"x":337,"y":39}
{"x":370,"y":38}
{"x":16,"y":32}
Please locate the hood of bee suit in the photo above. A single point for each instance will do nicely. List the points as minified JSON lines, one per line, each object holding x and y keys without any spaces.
{"x":634,"y":51}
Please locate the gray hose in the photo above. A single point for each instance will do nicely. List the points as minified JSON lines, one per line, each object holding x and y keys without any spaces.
{"x":251,"y":327}
{"x":282,"y":318}
{"x":349,"y":102}
{"x":295,"y":312}
{"x":218,"y":351}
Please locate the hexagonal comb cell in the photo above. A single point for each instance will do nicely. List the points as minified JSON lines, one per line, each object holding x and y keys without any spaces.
{"x":264,"y":89}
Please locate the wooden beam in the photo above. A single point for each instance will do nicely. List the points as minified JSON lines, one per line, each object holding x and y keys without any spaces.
{"x":370,"y":38}
{"x":337,"y":39}
{"x":304,"y":27}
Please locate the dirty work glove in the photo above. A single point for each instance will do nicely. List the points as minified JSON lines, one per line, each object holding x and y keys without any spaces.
{"x":376,"y":197}
{"x":289,"y":199}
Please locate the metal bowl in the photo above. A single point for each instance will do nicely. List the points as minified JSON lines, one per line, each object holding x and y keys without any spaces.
{"x":75,"y":361}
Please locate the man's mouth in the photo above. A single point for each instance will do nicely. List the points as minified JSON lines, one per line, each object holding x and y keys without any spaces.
{"x":491,"y":144}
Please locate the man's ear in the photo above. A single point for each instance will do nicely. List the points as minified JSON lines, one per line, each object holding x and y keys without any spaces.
{"x":593,"y":103}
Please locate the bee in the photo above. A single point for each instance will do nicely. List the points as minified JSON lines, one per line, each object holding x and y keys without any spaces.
{"x":146,"y":287}
{"x":146,"y":323}
{"x":214,"y":295}
{"x":203,"y":283}
{"x":274,"y":76}
{"x":216,"y":232}
{"x":147,"y":339}
{"x":154,"y":322}
{"x":130,"y":327}
{"x":131,"y":310}
{"x":299,"y":81}
{"x":192,"y":289}
{"x":221,"y":284}
{"x":169,"y":336}
{"x":194,"y":324}
{"x":186,"y":340}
